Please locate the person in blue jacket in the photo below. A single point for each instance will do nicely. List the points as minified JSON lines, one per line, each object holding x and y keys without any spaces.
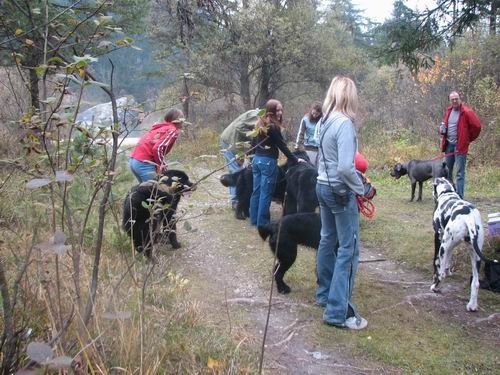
{"x":306,"y":136}
{"x":337,"y":186}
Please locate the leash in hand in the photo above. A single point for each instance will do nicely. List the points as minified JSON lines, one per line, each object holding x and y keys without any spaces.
{"x":366,"y":207}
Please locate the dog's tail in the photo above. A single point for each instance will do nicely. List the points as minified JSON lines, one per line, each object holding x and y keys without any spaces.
{"x":476,"y":235}
{"x":266,"y":230}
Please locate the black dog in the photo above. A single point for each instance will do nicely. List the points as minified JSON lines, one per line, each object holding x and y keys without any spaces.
{"x":160,"y":198}
{"x":296,"y":229}
{"x":492,"y":277}
{"x":301,"y":189}
{"x":243,"y":181}
{"x":420,"y":171}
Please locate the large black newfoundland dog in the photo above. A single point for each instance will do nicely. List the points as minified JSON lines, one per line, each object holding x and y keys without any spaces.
{"x":159,"y":198}
{"x":296,"y":229}
{"x":301,"y":188}
{"x":243,"y":181}
{"x":298,"y":181}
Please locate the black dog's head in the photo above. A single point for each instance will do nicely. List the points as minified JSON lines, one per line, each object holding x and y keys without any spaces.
{"x":398,"y":171}
{"x":231,"y":179}
{"x":302,"y":155}
{"x":442,"y":185}
{"x":175,"y":181}
{"x":443,"y":170}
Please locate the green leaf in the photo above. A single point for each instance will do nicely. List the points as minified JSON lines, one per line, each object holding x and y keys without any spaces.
{"x":95,"y":83}
{"x":50,"y":100}
{"x":56,"y":59}
{"x":124,"y":42}
{"x":105,"y":19}
{"x":146,"y":205}
{"x":262,"y":112}
{"x":255,"y":132}
{"x":85,"y":58}
{"x":40,"y":70}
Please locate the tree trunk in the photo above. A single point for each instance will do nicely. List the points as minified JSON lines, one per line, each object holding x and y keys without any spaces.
{"x":245,"y":80}
{"x":185,"y":97}
{"x":265,"y":80}
{"x":495,"y":4}
{"x":8,"y":339}
{"x":34,"y":90}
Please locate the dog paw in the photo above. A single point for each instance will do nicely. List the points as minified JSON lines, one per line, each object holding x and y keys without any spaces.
{"x":285,"y":289}
{"x":472,"y":307}
{"x":435,"y":289}
{"x":176,"y":245}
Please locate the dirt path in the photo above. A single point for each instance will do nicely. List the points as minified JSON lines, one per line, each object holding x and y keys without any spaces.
{"x":229,"y":270}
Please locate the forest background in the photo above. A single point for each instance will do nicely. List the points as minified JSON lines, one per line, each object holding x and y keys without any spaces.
{"x":214,"y":59}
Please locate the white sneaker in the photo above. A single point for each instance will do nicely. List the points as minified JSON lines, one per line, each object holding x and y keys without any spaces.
{"x":356,"y":323}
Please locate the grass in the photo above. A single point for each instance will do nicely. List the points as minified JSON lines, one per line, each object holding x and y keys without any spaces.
{"x":423,"y":341}
{"x":418,"y":343}
{"x":165,"y":334}
{"x":181,"y":324}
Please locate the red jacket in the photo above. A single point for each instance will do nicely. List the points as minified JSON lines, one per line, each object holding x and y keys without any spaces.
{"x":468,"y":129}
{"x":156,"y":143}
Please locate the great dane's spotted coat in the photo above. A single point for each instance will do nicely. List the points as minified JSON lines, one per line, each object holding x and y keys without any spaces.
{"x":455,"y":220}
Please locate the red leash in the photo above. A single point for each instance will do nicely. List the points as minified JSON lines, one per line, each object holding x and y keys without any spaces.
{"x":445,"y":155}
{"x":366,"y":207}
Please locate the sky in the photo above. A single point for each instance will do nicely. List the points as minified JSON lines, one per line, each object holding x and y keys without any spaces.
{"x":379,"y":10}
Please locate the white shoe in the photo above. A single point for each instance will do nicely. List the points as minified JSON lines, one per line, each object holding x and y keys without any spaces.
{"x":356,"y":322}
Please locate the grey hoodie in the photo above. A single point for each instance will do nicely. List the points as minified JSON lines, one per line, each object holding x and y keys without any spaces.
{"x":338,"y":145}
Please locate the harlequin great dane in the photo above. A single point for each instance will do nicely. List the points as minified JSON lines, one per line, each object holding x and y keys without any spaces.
{"x":456,"y":220}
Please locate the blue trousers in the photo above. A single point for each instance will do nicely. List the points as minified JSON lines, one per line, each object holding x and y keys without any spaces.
{"x":460,"y":160}
{"x":232,"y":166}
{"x":143,"y":171}
{"x":338,"y":255}
{"x":265,"y":172}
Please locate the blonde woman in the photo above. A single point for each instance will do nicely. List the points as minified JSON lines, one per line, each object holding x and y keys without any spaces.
{"x":336,"y":188}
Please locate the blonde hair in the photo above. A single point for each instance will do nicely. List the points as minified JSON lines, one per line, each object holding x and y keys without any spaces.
{"x":342,"y":96}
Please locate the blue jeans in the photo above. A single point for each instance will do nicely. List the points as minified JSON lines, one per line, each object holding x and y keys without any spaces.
{"x":265,"y":172}
{"x":460,"y":160}
{"x":232,"y":166}
{"x":338,"y":255}
{"x":143,"y":171}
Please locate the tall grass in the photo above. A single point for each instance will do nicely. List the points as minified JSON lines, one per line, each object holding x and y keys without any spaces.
{"x":142,"y":321}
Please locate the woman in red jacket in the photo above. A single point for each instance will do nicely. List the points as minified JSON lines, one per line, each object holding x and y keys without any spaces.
{"x":148,"y":156}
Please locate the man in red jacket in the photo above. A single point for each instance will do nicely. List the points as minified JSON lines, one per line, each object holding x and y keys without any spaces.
{"x":148,"y":156}
{"x":459,"y":128}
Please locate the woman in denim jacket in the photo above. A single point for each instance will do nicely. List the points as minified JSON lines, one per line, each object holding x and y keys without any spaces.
{"x":337,"y":187}
{"x":267,"y":143}
{"x":306,"y":136}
